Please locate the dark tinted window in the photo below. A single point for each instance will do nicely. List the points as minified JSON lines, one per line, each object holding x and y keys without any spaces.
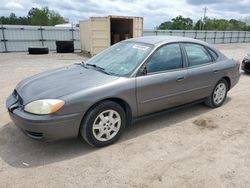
{"x":197,"y":54}
{"x":166,"y":58}
{"x":214,"y":54}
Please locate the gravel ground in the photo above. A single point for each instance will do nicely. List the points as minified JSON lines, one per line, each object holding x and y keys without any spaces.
{"x":191,"y":147}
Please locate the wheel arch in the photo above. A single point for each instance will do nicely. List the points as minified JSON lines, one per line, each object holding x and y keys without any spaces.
{"x":228,"y":81}
{"x":126,"y":107}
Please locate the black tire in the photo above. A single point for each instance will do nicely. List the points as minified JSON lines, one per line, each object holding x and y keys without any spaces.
{"x":87,"y":123}
{"x":64,"y":46}
{"x":210,"y":100}
{"x":247,"y":71}
{"x":38,"y":50}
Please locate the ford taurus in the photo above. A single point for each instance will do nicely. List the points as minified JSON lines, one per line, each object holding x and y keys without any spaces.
{"x":98,"y":98}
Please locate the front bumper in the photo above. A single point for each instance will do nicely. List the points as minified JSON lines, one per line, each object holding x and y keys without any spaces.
{"x":47,"y":127}
{"x":44,"y":127}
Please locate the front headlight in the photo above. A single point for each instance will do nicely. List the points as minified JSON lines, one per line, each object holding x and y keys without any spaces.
{"x":45,"y":106}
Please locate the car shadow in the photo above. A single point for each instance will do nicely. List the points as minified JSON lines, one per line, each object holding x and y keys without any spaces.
{"x":245,"y":73}
{"x":19,"y":151}
{"x":165,"y":119}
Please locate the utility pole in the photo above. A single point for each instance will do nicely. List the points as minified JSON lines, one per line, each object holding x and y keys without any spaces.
{"x":200,"y":24}
{"x":204,"y":17}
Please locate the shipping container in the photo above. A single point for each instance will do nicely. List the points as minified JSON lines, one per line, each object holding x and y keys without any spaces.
{"x":98,"y":33}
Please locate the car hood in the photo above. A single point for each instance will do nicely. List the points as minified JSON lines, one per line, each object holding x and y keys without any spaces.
{"x":60,"y":82}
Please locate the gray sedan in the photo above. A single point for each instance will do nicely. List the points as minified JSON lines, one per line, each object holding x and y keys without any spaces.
{"x":131,"y":79}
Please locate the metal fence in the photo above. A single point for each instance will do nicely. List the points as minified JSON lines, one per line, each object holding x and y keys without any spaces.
{"x":17,"y":38}
{"x":213,"y":37}
{"x":14,"y":38}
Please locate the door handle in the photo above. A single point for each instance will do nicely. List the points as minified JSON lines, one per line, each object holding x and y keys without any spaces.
{"x":179,"y":79}
{"x":215,"y":71}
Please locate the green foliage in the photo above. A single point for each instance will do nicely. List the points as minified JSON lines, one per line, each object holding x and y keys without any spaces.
{"x":178,"y":23}
{"x":198,"y":25}
{"x":36,"y":16}
{"x":222,"y":24}
{"x":181,"y":23}
{"x":237,"y":25}
{"x":55,"y":18}
{"x":14,"y":20}
{"x":165,"y":25}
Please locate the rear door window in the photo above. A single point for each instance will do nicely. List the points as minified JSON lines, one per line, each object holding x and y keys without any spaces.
{"x":197,"y":54}
{"x":213,"y":53}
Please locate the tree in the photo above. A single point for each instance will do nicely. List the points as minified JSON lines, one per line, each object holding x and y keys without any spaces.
{"x":165,"y":25}
{"x":181,"y":23}
{"x":44,"y":16}
{"x":38,"y":16}
{"x":55,"y":18}
{"x":237,"y":25}
{"x":13,"y":20}
{"x":35,"y":16}
{"x":221,"y":25}
{"x":178,"y":23}
{"x":198,"y":25}
{"x":207,"y":24}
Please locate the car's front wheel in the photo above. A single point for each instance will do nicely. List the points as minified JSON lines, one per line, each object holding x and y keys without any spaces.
{"x":219,"y":94}
{"x":103,"y":124}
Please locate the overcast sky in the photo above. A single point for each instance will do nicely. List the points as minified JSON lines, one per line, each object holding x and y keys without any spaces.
{"x":153,"y":11}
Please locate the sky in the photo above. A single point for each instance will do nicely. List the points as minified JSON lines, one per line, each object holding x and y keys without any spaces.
{"x":154,"y":12}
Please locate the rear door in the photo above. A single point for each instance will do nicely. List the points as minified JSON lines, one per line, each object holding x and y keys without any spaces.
{"x":165,"y":83}
{"x":202,"y":71}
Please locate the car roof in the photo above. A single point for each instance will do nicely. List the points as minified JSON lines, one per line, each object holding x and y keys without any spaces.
{"x":161,"y":40}
{"x":157,"y":40}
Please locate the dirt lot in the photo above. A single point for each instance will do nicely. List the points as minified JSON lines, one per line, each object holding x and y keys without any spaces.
{"x":191,"y":147}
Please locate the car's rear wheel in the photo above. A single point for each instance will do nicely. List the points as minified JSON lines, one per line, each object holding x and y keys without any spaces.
{"x":219,"y":94}
{"x":103,"y":124}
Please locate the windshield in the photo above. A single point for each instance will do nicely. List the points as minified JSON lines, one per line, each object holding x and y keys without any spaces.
{"x":122,"y":58}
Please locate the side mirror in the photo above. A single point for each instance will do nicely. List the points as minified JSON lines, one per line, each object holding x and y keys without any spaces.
{"x":143,"y":71}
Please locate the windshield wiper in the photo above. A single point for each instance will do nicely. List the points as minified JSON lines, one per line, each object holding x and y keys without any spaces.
{"x":98,"y":68}
{"x":83,"y":64}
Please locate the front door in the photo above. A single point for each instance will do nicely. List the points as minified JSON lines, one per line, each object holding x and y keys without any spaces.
{"x":165,"y":83}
